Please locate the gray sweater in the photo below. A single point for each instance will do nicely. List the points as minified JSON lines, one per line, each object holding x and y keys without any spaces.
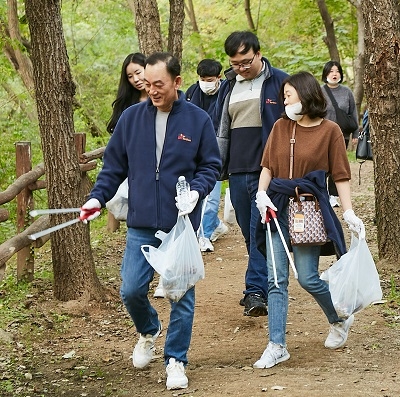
{"x":345,"y":99}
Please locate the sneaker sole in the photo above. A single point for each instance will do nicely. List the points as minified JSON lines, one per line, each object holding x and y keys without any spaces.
{"x":279,"y":360}
{"x":256,"y":311}
{"x":176,"y":387}
{"x":213,"y":240}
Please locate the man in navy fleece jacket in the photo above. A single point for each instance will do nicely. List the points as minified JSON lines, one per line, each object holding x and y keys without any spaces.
{"x":153,"y":143}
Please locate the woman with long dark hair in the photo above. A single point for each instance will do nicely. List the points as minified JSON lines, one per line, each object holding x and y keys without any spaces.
{"x":131,"y":87}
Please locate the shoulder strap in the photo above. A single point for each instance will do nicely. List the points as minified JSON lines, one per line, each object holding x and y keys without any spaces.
{"x":292,"y":142}
{"x":366,"y":127}
{"x":189,"y":93}
{"x":329,"y":92}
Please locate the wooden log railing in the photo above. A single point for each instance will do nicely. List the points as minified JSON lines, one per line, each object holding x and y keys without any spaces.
{"x":27,"y":180}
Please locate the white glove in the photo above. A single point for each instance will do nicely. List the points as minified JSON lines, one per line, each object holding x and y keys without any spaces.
{"x":194,"y":198}
{"x":90,"y":210}
{"x":263,"y":202}
{"x":355,"y":224}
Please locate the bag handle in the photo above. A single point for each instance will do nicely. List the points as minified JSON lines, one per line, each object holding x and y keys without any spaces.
{"x":298,"y":200}
{"x":145,"y":248}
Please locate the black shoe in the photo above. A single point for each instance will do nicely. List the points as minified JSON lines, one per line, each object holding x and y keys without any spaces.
{"x":255,"y":305}
{"x":241,"y":302}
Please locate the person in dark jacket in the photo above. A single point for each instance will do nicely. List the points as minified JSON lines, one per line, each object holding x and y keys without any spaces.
{"x":204,"y":94}
{"x":318,"y":149}
{"x":154,"y":142}
{"x":245,"y":112}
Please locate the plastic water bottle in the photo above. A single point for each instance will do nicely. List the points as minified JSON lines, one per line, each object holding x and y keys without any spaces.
{"x":183,"y":194}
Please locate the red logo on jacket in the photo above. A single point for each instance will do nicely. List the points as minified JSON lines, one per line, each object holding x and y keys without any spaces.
{"x":183,"y":137}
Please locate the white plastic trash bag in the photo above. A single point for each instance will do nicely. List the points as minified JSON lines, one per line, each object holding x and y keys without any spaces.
{"x":118,"y":205}
{"x":229,"y":211}
{"x":353,"y":280}
{"x":178,"y":259}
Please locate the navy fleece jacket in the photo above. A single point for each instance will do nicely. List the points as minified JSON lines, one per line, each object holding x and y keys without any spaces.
{"x":190,"y":149}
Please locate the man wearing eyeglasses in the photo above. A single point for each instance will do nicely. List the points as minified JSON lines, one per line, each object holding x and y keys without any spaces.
{"x":246,"y":109}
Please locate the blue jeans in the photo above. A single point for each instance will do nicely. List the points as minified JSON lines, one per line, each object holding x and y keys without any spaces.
{"x":243,"y":189}
{"x":210,"y":217}
{"x":306,"y":259}
{"x":136,"y":275}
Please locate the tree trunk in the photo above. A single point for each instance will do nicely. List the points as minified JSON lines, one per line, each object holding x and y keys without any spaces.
{"x":18,"y":58}
{"x":330,"y":38}
{"x":147,"y":20}
{"x":359,"y":65}
{"x":382,"y":82}
{"x":247,"y":11}
{"x":175,"y":31}
{"x":73,"y":263}
{"x":192,"y":16}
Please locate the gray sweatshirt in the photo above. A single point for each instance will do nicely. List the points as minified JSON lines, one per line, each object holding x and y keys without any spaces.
{"x":345,"y":99}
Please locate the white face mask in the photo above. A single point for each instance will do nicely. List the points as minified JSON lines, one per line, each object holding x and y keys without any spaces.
{"x":209,"y":87}
{"x":292,"y":111}
{"x":333,"y":82}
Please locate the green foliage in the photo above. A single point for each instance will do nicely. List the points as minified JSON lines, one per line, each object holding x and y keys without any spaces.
{"x":98,"y":38}
{"x":12,"y":297}
{"x":392,"y":306}
{"x":291,"y":34}
{"x":99,"y":35}
{"x":394,"y":293}
{"x":7,"y":386}
{"x":351,"y":156}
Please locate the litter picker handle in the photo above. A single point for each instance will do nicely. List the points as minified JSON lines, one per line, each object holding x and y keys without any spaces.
{"x":53,"y":229}
{"x":270,"y":213}
{"x":35,"y":236}
{"x":49,"y":211}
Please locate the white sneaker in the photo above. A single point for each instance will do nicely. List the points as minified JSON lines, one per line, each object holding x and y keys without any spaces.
{"x":338,"y":333}
{"x":144,"y":349}
{"x":159,"y":291}
{"x":205,"y":245}
{"x":219,"y":231}
{"x":176,"y":377}
{"x":333,"y":201}
{"x":273,"y":354}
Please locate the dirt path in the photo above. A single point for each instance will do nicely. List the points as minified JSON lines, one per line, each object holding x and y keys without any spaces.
{"x":87,"y":353}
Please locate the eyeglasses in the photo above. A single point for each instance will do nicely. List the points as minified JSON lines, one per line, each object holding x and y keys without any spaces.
{"x":244,"y":65}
